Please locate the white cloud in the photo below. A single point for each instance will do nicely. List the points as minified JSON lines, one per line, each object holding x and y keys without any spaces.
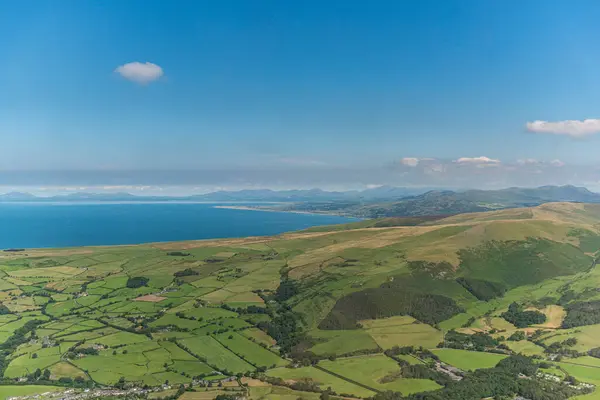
{"x":557,"y":163}
{"x":478,"y":161}
{"x":410,"y":161}
{"x":572,"y":128}
{"x":140,"y":72}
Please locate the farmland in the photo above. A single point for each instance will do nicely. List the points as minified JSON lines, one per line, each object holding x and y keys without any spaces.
{"x":359,"y":311}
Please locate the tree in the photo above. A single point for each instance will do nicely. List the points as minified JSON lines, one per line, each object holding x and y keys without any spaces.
{"x":121,"y":383}
{"x":324,"y":395}
{"x":46,"y":374}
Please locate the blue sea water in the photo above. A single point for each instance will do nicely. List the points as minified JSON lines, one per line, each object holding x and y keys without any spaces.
{"x":34,"y":225}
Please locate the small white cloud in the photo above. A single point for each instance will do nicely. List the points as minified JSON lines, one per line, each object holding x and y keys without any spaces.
{"x":140,"y":72}
{"x":373,"y":186}
{"x":410,"y":161}
{"x":557,"y":163}
{"x":478,"y":161}
{"x":572,"y":128}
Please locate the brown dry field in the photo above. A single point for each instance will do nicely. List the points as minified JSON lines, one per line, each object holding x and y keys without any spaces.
{"x":150,"y":298}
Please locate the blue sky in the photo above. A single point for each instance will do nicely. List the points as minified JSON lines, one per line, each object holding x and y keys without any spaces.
{"x":281,"y":93}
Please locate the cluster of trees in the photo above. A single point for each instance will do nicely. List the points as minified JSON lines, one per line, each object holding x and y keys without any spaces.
{"x":287,"y":289}
{"x":420,"y":352}
{"x":137,"y":282}
{"x":90,"y":351}
{"x":178,"y":254}
{"x":595,"y":352}
{"x":285,"y":327}
{"x":500,"y":382}
{"x":43,"y":377}
{"x":252,"y":309}
{"x":420,"y":371}
{"x":517,"y":336}
{"x":563,"y":348}
{"x":520,"y":318}
{"x":186,"y":272}
{"x":478,"y":341}
{"x":390,"y":301}
{"x":582,"y":313}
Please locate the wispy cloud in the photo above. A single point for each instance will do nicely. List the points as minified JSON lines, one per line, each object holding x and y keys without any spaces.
{"x":557,"y":163}
{"x":140,"y":72}
{"x":572,"y":128}
{"x":477,"y":161}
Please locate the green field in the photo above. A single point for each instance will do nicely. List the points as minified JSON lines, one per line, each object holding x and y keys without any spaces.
{"x":249,"y":351}
{"x":468,"y":360}
{"x":215,"y":354}
{"x":525,"y":347}
{"x":322,"y":378}
{"x":369,"y":370}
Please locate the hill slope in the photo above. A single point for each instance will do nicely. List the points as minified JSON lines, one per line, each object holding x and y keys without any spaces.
{"x":211,"y":309}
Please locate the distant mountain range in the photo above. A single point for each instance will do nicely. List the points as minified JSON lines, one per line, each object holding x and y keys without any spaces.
{"x":446,"y":202}
{"x":257,"y":195}
{"x":384,"y":201}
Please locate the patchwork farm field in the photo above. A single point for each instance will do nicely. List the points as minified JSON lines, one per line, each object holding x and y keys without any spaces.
{"x":468,"y":360}
{"x":358,"y":312}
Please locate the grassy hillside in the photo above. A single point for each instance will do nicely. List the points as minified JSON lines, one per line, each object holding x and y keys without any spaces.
{"x":507,"y":282}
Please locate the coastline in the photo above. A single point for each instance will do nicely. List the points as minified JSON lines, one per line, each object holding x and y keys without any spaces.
{"x":248,"y":208}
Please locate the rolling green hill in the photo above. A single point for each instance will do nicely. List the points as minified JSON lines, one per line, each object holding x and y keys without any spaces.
{"x":365,"y":309}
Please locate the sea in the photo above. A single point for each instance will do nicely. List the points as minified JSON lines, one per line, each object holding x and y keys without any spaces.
{"x":43,"y":225}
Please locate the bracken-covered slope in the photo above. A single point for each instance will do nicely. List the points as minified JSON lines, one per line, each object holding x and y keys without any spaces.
{"x":466,"y":287}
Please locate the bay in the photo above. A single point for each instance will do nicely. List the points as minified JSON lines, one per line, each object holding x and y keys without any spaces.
{"x":37,"y":225}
